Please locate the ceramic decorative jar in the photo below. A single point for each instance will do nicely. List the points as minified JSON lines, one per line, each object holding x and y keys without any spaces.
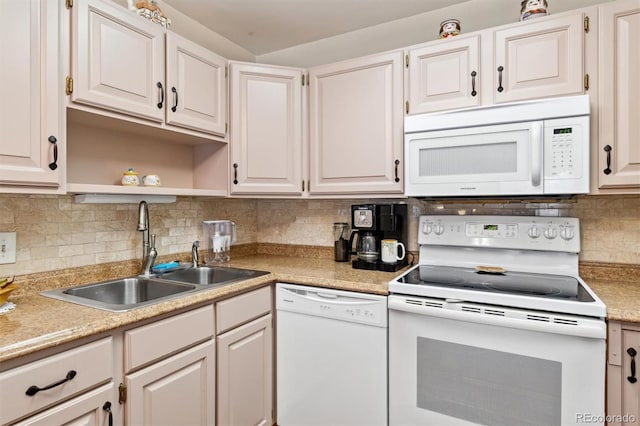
{"x":450,"y":28}
{"x":151,"y":180}
{"x":530,"y":9}
{"x":130,"y":178}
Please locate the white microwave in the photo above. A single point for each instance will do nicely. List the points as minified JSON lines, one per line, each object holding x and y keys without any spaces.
{"x":528,"y":148}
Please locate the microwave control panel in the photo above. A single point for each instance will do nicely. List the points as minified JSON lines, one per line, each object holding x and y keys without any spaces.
{"x":564,"y":144}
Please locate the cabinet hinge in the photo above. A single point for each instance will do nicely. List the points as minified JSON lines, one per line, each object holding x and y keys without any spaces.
{"x":226,"y":72}
{"x":122,"y":393}
{"x":226,"y":128}
{"x":308,"y":80}
{"x":302,"y":185}
{"x":302,"y":80}
{"x":406,"y":107}
{"x":586,"y":82}
{"x":68,"y":4}
{"x":406,"y":60}
{"x":68,"y":88}
{"x":586,"y":24}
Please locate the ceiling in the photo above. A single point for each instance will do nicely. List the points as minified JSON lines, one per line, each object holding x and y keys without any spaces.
{"x":263,"y":26}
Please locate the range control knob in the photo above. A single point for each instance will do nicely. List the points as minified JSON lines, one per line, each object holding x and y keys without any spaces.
{"x":550,"y":233}
{"x":567,"y":233}
{"x":534,"y":232}
{"x":438,"y":229}
{"x":426,"y":228}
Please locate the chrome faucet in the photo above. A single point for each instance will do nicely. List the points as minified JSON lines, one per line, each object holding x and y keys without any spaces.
{"x":195,"y":259}
{"x":149,"y":252}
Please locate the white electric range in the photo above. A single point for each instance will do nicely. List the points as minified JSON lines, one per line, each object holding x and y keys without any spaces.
{"x":495,"y":326}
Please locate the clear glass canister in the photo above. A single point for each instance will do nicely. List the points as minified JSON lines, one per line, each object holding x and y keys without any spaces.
{"x":218,"y":236}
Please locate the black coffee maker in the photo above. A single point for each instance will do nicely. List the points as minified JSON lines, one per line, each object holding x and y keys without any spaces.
{"x":371,"y":223}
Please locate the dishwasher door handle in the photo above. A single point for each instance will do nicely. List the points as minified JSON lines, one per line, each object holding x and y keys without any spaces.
{"x":327,"y":295}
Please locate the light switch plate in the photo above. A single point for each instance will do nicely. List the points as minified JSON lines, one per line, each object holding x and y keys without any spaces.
{"x":7,"y":247}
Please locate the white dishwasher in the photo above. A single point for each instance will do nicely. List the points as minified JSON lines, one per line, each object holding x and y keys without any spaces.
{"x":331,"y":357}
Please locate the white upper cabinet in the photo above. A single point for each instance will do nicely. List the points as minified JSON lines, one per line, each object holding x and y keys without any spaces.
{"x":266,"y":129}
{"x":539,"y":60}
{"x":444,"y":75}
{"x":118,"y":64}
{"x":618,"y":148}
{"x":196,"y":86}
{"x":527,"y":60}
{"x":356,"y":126}
{"x":32,"y":145}
{"x":118,"y":60}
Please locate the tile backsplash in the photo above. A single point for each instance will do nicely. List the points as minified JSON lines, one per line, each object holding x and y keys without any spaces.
{"x":54,"y":232}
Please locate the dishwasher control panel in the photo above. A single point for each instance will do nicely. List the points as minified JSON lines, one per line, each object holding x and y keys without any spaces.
{"x":336,"y":304}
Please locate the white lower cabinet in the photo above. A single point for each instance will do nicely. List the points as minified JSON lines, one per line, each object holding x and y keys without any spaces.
{"x":245,"y":359}
{"x":176,"y":391}
{"x":65,"y":384}
{"x":170,"y":370}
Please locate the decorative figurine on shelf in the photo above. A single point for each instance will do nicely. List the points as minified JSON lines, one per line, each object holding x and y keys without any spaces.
{"x":530,"y":9}
{"x":449,"y":28}
{"x":150,"y":10}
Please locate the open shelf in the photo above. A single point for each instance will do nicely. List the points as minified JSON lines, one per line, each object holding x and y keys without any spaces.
{"x":100,"y":149}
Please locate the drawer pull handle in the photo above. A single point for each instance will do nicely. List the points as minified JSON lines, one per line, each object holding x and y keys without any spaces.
{"x":175,"y":99}
{"x":607,"y":149}
{"x":35,"y":389}
{"x":632,"y":353}
{"x":107,"y":407}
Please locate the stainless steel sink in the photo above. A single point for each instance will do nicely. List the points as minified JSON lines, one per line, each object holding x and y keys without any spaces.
{"x":122,"y":294}
{"x":211,"y":276}
{"x":129,"y":293}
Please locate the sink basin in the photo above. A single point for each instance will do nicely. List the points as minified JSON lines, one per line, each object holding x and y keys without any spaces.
{"x":205,"y":275}
{"x":122,"y":294}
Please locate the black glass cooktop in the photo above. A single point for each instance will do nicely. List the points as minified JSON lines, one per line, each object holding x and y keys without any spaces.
{"x":523,"y":283}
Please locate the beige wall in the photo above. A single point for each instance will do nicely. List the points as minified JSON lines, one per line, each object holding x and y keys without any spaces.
{"x":53,"y":232}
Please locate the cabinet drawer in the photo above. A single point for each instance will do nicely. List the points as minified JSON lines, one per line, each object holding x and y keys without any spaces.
{"x":238,"y":310}
{"x":151,"y":342}
{"x":93,"y":364}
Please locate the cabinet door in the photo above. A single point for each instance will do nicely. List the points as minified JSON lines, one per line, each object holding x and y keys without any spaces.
{"x":619,"y":96}
{"x":196,"y":85}
{"x":539,"y":59}
{"x":245,"y":374}
{"x":356,"y":126}
{"x":117,"y":60}
{"x":266,"y":128}
{"x":176,"y":391}
{"x":30,"y":104}
{"x":88,"y":409}
{"x":444,"y":75}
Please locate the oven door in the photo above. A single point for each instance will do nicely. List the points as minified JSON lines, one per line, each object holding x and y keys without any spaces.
{"x":458,"y":363}
{"x":487,"y":160}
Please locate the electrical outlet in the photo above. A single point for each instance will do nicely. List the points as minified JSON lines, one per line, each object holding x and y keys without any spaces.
{"x":7,"y":247}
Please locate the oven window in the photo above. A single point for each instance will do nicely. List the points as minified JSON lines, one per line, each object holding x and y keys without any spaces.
{"x":487,"y":387}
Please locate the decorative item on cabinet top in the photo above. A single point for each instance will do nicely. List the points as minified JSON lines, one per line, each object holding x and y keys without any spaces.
{"x":149,"y":9}
{"x":450,"y":28}
{"x":530,"y":9}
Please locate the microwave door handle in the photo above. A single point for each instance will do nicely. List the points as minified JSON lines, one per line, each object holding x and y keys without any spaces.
{"x":536,"y":152}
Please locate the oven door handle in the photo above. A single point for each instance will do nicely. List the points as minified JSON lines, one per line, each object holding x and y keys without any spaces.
{"x":537,"y":141}
{"x":590,"y":328}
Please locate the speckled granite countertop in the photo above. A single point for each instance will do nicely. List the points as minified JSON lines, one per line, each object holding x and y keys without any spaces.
{"x":39,"y":322}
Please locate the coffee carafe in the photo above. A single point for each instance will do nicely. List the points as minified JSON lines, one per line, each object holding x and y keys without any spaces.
{"x":218,"y":237}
